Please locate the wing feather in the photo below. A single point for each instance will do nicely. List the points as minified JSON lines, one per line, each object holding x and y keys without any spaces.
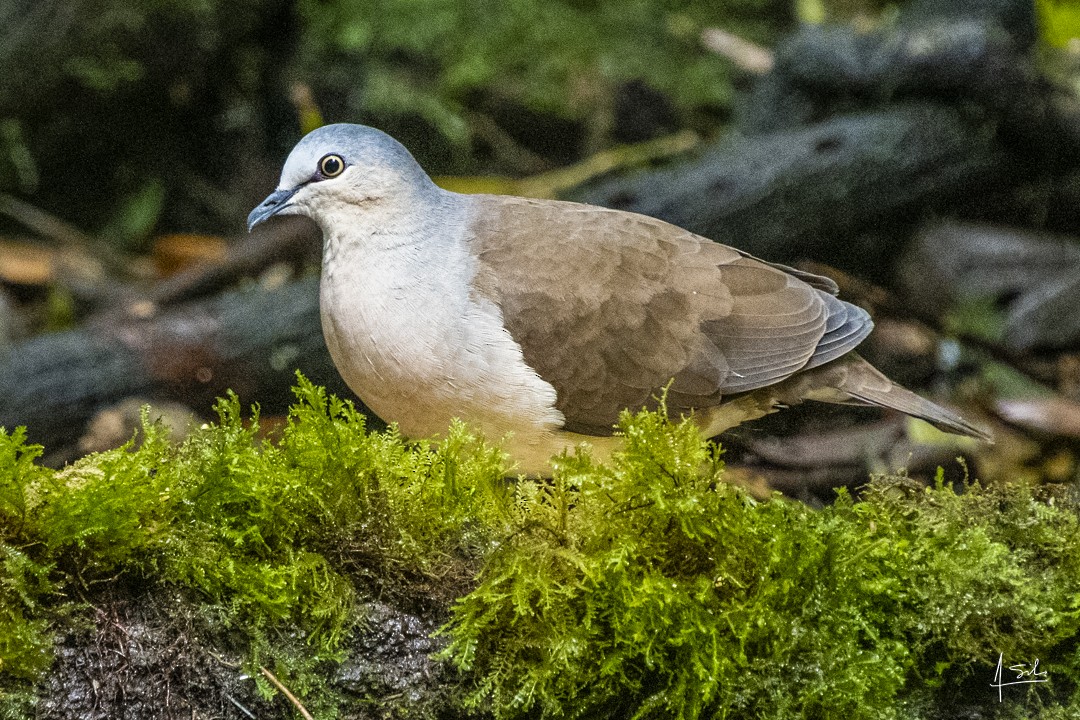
{"x":645,"y":304}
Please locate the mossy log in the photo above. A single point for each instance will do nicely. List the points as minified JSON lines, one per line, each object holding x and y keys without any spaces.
{"x":166,"y":581}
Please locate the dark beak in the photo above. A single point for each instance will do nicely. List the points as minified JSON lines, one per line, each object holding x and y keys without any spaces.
{"x":272,"y":205}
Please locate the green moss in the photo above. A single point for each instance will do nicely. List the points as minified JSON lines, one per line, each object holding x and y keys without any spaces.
{"x":647,"y":588}
{"x":652,"y":589}
{"x":25,"y":640}
{"x":280,"y":537}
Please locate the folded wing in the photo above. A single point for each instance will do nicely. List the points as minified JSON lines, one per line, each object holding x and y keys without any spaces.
{"x":647,"y":304}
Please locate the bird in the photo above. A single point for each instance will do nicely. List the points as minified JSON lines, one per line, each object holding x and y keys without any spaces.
{"x":537,"y":322}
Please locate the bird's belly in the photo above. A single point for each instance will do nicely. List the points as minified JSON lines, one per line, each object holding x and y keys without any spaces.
{"x":421,"y":364}
{"x":400,"y":384}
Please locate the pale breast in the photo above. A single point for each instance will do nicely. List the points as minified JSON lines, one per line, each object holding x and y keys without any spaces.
{"x":410,"y":340}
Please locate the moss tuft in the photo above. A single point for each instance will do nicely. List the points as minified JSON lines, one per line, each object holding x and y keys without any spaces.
{"x":25,"y":640}
{"x":279,"y":538}
{"x":652,"y":589}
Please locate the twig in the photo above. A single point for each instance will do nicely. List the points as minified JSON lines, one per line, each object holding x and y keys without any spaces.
{"x":746,"y":55}
{"x":42,"y":222}
{"x":285,"y":691}
{"x":284,"y":241}
{"x":552,"y":183}
{"x":506,"y":148}
{"x":307,"y":110}
{"x":240,"y":707}
{"x":64,"y":233}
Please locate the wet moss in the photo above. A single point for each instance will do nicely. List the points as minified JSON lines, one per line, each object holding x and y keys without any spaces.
{"x":646,"y":588}
{"x":652,"y":589}
{"x":280,"y":539}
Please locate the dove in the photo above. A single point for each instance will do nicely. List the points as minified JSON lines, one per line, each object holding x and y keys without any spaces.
{"x":540,"y":321}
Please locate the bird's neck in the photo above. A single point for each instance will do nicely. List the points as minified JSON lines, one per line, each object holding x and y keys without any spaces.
{"x":369,"y":228}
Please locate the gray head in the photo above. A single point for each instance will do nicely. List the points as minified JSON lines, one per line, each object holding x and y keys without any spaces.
{"x":343,"y":164}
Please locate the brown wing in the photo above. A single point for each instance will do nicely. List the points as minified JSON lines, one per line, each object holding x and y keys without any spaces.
{"x":609,"y":307}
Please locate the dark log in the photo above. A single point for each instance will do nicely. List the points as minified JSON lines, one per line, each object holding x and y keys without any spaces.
{"x":789,"y":194}
{"x":1031,"y":275}
{"x":943,"y":110}
{"x":251,"y":341}
{"x":823,"y":70}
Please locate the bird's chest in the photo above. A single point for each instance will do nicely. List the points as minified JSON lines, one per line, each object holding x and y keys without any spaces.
{"x":385,"y":328}
{"x":419,"y":350}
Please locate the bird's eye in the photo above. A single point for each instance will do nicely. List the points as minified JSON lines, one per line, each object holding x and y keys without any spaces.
{"x":331,"y":166}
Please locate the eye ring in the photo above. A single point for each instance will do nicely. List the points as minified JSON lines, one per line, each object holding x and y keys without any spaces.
{"x":331,"y":165}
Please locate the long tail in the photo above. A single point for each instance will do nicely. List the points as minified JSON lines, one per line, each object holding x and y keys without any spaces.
{"x":866,"y":385}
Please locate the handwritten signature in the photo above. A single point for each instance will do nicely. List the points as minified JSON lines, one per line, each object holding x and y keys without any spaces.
{"x":1025,"y":674}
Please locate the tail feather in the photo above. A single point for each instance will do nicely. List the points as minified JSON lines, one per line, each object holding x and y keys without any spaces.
{"x":866,"y":385}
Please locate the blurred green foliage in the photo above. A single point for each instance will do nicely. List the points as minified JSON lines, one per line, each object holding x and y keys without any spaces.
{"x":646,"y":588}
{"x":563,"y":57}
{"x":136,"y":215}
{"x":1059,"y":21}
{"x":99,"y":100}
{"x":121,"y":115}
